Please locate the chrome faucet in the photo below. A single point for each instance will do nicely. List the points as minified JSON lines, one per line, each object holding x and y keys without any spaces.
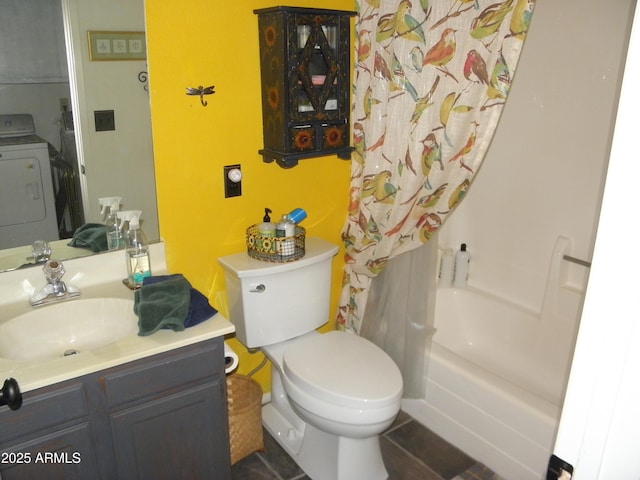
{"x":55,"y":290}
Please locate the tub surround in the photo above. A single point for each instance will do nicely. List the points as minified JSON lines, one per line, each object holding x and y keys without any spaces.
{"x":496,"y":377}
{"x":516,"y":344}
{"x":97,"y":276}
{"x":506,"y":428}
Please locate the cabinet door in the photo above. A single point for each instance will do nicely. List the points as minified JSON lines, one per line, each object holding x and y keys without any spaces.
{"x":315,"y":67}
{"x":176,"y":437}
{"x":49,"y":437}
{"x":63,"y":455}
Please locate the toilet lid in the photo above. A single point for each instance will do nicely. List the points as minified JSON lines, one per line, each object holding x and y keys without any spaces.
{"x":344,"y":369}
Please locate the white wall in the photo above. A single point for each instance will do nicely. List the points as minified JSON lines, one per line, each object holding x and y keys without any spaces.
{"x":118,"y":162}
{"x":41,"y":100}
{"x":33,"y":66}
{"x":600,"y":419}
{"x":544,"y":172}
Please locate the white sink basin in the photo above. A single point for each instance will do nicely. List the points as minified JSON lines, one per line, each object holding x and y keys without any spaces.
{"x":69,"y":328}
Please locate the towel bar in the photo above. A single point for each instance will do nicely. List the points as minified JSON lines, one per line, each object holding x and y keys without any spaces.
{"x":571,"y":259}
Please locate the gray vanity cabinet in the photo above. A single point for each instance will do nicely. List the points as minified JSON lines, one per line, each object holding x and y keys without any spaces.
{"x":49,"y":436}
{"x":168,"y":415}
{"x":161,"y":440}
{"x":162,"y":417}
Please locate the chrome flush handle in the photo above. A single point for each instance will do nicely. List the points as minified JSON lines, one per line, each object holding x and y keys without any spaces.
{"x":258,"y":288}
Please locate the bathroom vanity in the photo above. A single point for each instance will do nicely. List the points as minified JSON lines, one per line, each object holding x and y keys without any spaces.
{"x":157,"y":417}
{"x":135,"y":408}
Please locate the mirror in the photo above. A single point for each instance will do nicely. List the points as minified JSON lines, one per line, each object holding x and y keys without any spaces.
{"x":59,"y":75}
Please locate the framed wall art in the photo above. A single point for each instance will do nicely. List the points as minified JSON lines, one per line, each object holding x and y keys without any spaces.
{"x":116,"y":46}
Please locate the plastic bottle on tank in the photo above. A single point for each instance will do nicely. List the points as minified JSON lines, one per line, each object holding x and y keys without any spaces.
{"x":287,"y":229}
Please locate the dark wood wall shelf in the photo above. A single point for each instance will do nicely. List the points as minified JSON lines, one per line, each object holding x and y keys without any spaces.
{"x":304,"y":60}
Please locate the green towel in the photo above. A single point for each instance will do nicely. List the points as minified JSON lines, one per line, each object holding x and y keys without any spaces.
{"x":92,"y":236}
{"x":162,"y":305}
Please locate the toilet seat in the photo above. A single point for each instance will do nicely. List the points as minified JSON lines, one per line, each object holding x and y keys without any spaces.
{"x":343,"y":369}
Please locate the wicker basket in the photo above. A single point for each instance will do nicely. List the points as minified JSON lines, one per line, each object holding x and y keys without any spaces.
{"x":275,"y":249}
{"x":244,"y":398}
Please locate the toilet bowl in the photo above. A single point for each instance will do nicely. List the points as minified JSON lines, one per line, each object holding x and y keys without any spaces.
{"x":332,"y":394}
{"x":336,"y":379}
{"x":339,"y":380}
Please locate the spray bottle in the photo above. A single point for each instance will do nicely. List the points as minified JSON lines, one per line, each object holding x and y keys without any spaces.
{"x":114,"y":235}
{"x":136,"y":249}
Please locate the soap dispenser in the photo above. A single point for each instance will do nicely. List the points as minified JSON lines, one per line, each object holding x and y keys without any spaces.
{"x":266,"y":228}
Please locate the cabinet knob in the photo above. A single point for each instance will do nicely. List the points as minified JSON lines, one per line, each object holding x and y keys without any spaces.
{"x":10,"y":394}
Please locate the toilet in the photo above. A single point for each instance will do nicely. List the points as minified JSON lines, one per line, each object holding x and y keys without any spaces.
{"x":332,"y":394}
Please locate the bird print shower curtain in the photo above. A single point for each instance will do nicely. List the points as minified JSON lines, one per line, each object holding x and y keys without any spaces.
{"x":431,"y":79}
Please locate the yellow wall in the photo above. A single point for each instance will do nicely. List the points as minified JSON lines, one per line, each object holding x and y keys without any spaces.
{"x":197,"y":42}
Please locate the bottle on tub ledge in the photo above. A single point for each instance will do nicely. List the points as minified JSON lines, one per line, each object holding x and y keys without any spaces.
{"x":461,"y":267}
{"x":136,"y":250}
{"x":447,"y":262}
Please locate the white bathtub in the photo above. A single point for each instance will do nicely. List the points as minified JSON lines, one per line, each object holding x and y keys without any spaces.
{"x":495,"y":381}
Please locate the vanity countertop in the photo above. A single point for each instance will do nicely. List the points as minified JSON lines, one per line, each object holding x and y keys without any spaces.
{"x":14,"y":293}
{"x":35,"y":374}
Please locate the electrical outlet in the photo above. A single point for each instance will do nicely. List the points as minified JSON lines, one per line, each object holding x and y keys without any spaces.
{"x":105,"y":120}
{"x":232,"y":181}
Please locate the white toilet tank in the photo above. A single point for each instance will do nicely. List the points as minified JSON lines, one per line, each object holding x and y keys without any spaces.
{"x":273,"y":302}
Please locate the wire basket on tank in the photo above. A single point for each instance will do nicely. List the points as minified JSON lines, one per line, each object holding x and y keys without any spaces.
{"x":275,"y":249}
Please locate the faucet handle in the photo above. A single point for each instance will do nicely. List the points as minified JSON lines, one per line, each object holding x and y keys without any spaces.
{"x":41,"y":251}
{"x":55,"y":289}
{"x":53,"y":271}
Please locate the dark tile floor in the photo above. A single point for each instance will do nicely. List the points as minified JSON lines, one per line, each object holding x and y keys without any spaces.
{"x":410,"y":451}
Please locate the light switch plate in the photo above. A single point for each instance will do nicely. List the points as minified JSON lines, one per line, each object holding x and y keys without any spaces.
{"x":105,"y":120}
{"x":231,"y":188}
